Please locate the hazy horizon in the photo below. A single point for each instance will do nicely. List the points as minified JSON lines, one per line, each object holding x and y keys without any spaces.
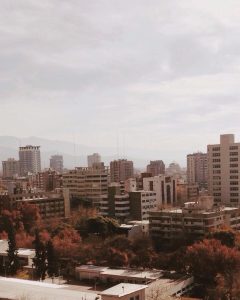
{"x":161,"y":77}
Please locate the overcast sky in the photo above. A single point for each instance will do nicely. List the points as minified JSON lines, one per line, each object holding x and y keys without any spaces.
{"x":163,"y":76}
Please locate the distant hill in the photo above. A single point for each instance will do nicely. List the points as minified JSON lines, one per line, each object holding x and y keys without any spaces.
{"x":73,"y":154}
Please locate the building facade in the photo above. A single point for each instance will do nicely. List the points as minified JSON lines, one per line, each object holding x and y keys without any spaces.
{"x":10,"y":168}
{"x":224,"y":171}
{"x":29,"y":159}
{"x":87,"y":183}
{"x":56,"y":163}
{"x":50,"y":205}
{"x":121,"y":170}
{"x":156,"y":167}
{"x":95,"y":158}
{"x":197,"y":171}
{"x":165,"y":188}
{"x":141,"y":203}
{"x":194,"y":220}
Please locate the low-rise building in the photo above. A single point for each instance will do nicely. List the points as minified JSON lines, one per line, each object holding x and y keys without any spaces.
{"x":50,"y":205}
{"x":194,"y":220}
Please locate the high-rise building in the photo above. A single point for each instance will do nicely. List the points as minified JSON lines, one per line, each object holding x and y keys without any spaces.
{"x":121,"y":170}
{"x":95,"y":158}
{"x":30,"y":160}
{"x":197,"y":172}
{"x":224,"y":171}
{"x":156,"y":167}
{"x":56,"y":163}
{"x":87,"y":183}
{"x":10,"y":168}
{"x":165,"y":188}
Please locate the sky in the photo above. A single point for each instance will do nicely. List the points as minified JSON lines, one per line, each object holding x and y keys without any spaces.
{"x":159,"y":77}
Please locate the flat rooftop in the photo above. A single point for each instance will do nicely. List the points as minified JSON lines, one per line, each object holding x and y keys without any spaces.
{"x":105,"y":271}
{"x":15,"y":288}
{"x":123,"y":289}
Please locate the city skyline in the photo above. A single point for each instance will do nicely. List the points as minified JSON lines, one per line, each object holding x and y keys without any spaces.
{"x":118,"y":75}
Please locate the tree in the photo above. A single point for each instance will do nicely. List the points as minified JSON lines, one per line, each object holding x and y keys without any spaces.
{"x":13,"y":260}
{"x":52,"y":263}
{"x":40,"y":257}
{"x":226,"y":237}
{"x":208,"y":258}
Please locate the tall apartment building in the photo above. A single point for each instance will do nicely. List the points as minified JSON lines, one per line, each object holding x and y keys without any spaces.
{"x":197,"y":172}
{"x":10,"y":168}
{"x":87,"y":183}
{"x":224,"y":171}
{"x":165,"y":188}
{"x":47,"y":181}
{"x":29,"y":159}
{"x":121,"y":170}
{"x":194,"y":220}
{"x":56,"y":163}
{"x":156,"y":167}
{"x":95,"y":158}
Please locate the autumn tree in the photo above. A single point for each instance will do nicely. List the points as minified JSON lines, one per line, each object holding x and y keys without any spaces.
{"x":208,"y":258}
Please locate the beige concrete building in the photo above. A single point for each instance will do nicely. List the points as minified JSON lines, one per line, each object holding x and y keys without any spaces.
{"x":30,"y":160}
{"x":51,"y":205}
{"x":197,"y":172}
{"x":224,"y":171}
{"x":156,"y":167}
{"x":165,"y":188}
{"x":87,"y":183}
{"x":121,"y":170}
{"x":56,"y":163}
{"x":194,"y":220}
{"x":95,"y":158}
{"x":10,"y":168}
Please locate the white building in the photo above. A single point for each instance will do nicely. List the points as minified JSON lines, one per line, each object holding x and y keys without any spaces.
{"x":165,"y":188}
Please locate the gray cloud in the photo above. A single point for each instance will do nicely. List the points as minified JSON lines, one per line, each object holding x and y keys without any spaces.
{"x":164,"y":75}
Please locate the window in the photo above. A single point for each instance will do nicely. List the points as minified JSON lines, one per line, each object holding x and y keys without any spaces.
{"x":233,"y":147}
{"x":233,"y":159}
{"x":216,"y":160}
{"x":216,"y":149}
{"x":137,"y":297}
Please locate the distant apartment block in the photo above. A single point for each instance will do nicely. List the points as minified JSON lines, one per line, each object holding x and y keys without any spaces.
{"x":56,"y":163}
{"x":197,"y":171}
{"x":87,"y":183}
{"x":121,"y":170}
{"x":95,"y":158}
{"x":47,"y":181}
{"x":187,"y":192}
{"x":224,"y":171}
{"x":30,"y":160}
{"x":156,"y":167}
{"x":130,"y":185}
{"x":10,"y":168}
{"x":165,"y":188}
{"x":194,"y":220}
